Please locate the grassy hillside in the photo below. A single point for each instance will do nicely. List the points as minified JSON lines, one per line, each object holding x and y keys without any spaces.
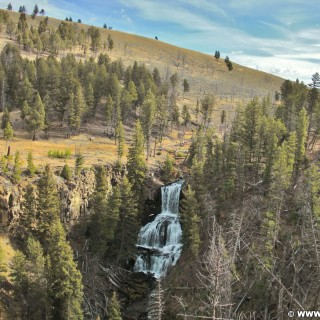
{"x":204,"y":72}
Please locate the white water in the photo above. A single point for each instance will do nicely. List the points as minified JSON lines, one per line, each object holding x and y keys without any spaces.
{"x":159,"y":242}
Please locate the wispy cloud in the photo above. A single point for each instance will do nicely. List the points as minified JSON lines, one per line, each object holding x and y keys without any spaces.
{"x":278,"y":37}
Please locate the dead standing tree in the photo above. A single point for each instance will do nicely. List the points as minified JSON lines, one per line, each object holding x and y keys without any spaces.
{"x":216,"y":275}
{"x":156,"y":302}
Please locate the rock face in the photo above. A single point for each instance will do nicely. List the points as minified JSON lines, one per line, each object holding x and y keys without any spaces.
{"x":75,"y":196}
{"x":10,"y":198}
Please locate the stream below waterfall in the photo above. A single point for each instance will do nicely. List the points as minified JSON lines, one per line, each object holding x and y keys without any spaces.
{"x":159,"y":242}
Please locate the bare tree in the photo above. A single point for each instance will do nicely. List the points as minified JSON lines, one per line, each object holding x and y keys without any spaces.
{"x":215,"y":275}
{"x":156,"y":304}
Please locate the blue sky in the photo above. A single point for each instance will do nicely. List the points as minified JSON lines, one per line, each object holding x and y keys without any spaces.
{"x":277,"y":36}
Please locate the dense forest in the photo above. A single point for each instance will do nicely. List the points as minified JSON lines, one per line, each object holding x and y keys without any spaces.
{"x":250,"y":208}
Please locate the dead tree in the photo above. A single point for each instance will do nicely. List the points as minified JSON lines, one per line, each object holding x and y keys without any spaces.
{"x":156,"y":305}
{"x":215,"y":275}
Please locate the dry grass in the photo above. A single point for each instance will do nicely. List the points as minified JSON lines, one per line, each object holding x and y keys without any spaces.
{"x":9,"y":253}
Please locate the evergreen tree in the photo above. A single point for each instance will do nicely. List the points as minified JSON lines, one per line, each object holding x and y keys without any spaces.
{"x":110,"y":43}
{"x":31,"y":167}
{"x":113,"y":213}
{"x":35,"y":11}
{"x":206,"y":109}
{"x":37,"y":280}
{"x":114,"y":311}
{"x":19,"y":273}
{"x":185,"y":114}
{"x":48,"y":204}
{"x":16,"y":175}
{"x":148,"y":117}
{"x":65,"y":285}
{"x":191,"y":222}
{"x":99,"y":210}
{"x":8,"y":132}
{"x":5,"y":118}
{"x":28,"y":222}
{"x":186,"y":86}
{"x":301,"y":137}
{"x":136,"y":165}
{"x":128,"y":227}
{"x":89,"y":98}
{"x":168,"y":169}
{"x":35,"y":115}
{"x":78,"y":163}
{"x":120,"y":139}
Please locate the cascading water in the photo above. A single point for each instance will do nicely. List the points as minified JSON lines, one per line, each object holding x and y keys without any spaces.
{"x":159,"y":242}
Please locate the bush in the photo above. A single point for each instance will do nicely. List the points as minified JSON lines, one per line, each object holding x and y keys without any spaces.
{"x":66,"y":173}
{"x":59,"y":154}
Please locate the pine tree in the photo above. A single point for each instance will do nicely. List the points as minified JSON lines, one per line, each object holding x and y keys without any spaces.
{"x":19,"y":273}
{"x":185,"y":114}
{"x":78,"y":163}
{"x":89,"y":98}
{"x":31,"y":167}
{"x":114,"y":311}
{"x":37,"y":281}
{"x":113,"y":213}
{"x":109,"y":111}
{"x":128,"y":227}
{"x":168,"y":169}
{"x":48,"y":204}
{"x":80,"y":106}
{"x":5,"y":118}
{"x":110,"y":43}
{"x":148,"y":117}
{"x":136,"y":165}
{"x":191,"y":222}
{"x":28,"y":222}
{"x":301,"y":137}
{"x":8,"y":132}
{"x":35,"y":115}
{"x":16,"y":175}
{"x":186,"y":86}
{"x":64,"y":279}
{"x":35,"y":11}
{"x":99,"y":210}
{"x":206,"y":109}
{"x":120,"y":139}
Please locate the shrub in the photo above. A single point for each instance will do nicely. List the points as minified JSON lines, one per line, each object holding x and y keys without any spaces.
{"x":66,"y":154}
{"x":66,"y":173}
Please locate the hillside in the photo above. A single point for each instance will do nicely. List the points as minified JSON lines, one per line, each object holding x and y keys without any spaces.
{"x":205,"y":73}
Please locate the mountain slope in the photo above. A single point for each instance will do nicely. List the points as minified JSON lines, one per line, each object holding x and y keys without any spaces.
{"x":204,"y":72}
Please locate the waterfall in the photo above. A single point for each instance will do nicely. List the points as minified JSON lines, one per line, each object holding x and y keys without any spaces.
{"x":159,"y":242}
